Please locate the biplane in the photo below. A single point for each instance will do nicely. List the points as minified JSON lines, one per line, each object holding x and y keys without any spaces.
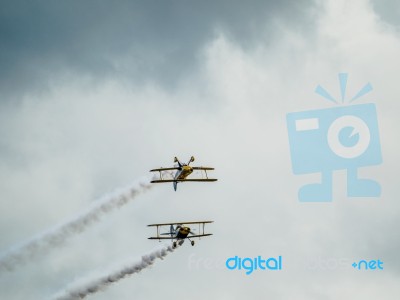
{"x":179,"y":233}
{"x":182,"y":172}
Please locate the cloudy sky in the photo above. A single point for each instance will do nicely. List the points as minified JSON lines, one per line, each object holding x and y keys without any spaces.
{"x":94,"y":94}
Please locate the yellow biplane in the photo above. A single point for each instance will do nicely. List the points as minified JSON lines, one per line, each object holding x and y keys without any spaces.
{"x":179,"y":233}
{"x":182,"y":172}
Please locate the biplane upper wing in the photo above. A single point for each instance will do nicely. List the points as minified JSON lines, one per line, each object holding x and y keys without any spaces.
{"x":161,"y":224}
{"x":203,"y":168}
{"x":195,"y":222}
{"x":180,"y":223}
{"x":164,"y":169}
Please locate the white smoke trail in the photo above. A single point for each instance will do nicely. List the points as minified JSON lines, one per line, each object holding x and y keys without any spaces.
{"x":58,"y":234}
{"x":86,"y":286}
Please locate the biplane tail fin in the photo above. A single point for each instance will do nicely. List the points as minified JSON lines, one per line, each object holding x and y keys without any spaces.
{"x":176,"y":160}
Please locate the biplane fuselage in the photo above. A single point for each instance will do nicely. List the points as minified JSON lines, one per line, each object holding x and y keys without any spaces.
{"x":179,"y":233}
{"x":182,"y":172}
{"x":182,"y":233}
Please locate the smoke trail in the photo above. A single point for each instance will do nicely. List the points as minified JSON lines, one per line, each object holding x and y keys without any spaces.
{"x":85,"y":287}
{"x":58,"y":234}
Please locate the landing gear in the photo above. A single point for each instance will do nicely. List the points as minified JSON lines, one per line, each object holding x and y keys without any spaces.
{"x":192,"y":242}
{"x":174,"y":245}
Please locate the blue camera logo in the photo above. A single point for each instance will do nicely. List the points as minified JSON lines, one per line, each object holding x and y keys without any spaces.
{"x":325,"y":140}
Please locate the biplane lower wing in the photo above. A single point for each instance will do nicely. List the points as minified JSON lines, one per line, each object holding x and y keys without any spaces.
{"x":162,"y":180}
{"x":172,"y":238}
{"x":200,"y":235}
{"x":205,"y":179}
{"x":183,"y":180}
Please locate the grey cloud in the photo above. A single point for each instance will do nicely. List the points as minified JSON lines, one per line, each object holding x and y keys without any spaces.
{"x":388,"y":11}
{"x":139,"y":40}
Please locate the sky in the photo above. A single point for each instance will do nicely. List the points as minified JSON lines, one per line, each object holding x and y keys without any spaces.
{"x":93,"y":95}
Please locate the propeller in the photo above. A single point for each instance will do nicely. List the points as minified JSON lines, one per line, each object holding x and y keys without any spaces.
{"x":192,"y":232}
{"x":171,"y":232}
{"x":190,"y":160}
